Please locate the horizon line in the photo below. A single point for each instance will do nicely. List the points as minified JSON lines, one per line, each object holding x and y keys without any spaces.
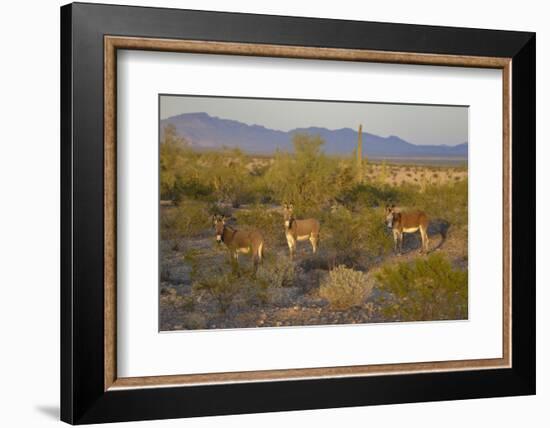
{"x":311,"y":126}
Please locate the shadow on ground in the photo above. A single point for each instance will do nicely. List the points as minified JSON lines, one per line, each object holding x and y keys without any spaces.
{"x":437,"y":233}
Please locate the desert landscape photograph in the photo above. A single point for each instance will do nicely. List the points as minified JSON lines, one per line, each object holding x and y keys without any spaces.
{"x":285,"y":213}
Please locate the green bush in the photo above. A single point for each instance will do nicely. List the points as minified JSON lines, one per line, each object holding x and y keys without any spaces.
{"x":426,"y":289}
{"x":345,"y":288}
{"x":367,"y":195}
{"x":222,"y":176}
{"x":225,"y":283}
{"x":229,"y":176}
{"x":181,"y":172}
{"x":223,"y":287}
{"x":277,"y":272}
{"x":306,"y":177}
{"x":172,"y":150}
{"x":448,"y":201}
{"x":185,"y":220}
{"x":191,"y":188}
{"x":268,"y":222}
{"x":350,"y":236}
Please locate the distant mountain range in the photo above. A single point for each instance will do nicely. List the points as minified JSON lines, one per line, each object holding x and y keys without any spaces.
{"x":206,"y":132}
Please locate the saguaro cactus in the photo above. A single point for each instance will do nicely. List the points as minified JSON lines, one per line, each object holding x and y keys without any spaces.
{"x":360,"y":154}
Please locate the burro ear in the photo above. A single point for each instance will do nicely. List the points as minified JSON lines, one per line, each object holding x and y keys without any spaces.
{"x":291,"y":206}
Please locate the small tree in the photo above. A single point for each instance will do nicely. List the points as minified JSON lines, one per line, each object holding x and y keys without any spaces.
{"x":305,"y":177}
{"x":171,"y":161}
{"x":229,"y":175}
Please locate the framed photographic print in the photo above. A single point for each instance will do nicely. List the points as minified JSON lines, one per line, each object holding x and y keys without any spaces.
{"x":265,"y":213}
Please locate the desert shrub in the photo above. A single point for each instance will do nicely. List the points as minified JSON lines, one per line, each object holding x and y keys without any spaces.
{"x":194,"y":321}
{"x":259,"y":190}
{"x":377,"y":194}
{"x":257,"y":292}
{"x":447,"y":201}
{"x":181,"y":171}
{"x":345,"y":288}
{"x":172,"y":150}
{"x":268,"y":222}
{"x":373,"y":194}
{"x":221,"y":286}
{"x":277,"y":272}
{"x":227,"y":283}
{"x":187,"y":219}
{"x":190,"y":188}
{"x":274,"y":273}
{"x":426,"y":289}
{"x":346,"y":175}
{"x":227,"y":173}
{"x":223,"y":210}
{"x":306,"y":177}
{"x":258,"y":169}
{"x":169,"y":296}
{"x":319,"y":261}
{"x":353,"y":235}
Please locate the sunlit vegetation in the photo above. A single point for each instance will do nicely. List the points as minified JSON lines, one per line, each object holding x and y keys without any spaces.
{"x":425,"y":289}
{"x":355,"y":254}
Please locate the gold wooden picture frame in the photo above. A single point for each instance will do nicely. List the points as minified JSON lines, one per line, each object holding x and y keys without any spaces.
{"x":114,"y":43}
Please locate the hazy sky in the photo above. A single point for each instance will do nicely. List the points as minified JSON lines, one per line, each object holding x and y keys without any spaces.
{"x":417,"y":124}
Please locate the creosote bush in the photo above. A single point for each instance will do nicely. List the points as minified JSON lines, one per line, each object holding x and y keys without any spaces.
{"x":425,"y":289}
{"x":345,"y":288}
